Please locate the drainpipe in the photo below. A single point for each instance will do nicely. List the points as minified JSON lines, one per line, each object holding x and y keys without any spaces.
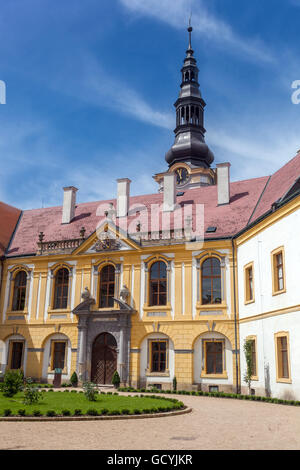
{"x":1,"y":274}
{"x":235,"y":321}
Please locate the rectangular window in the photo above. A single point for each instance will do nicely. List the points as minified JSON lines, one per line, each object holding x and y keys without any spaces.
{"x":282,"y":358}
{"x":158,"y":354}
{"x":249,"y":290}
{"x":58,"y":357}
{"x":16,"y":355}
{"x":254,"y":368}
{"x":214,"y":357}
{"x":278,"y":271}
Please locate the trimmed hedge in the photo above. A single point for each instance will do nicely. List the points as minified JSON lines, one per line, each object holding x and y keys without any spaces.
{"x":209,"y":394}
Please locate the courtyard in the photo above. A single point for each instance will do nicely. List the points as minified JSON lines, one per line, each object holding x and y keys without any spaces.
{"x":214,"y":423}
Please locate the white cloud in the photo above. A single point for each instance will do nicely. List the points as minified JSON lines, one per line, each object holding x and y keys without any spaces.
{"x":261,"y":153}
{"x":99,"y":88}
{"x":176,"y":13}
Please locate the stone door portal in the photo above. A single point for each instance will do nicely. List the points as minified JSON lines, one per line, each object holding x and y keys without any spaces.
{"x":104,"y":359}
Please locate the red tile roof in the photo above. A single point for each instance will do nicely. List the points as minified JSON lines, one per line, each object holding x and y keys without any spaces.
{"x":8,"y":219}
{"x":278,"y":185}
{"x":249,"y":200}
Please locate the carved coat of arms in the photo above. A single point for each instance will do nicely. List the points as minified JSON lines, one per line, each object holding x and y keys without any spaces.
{"x":107,"y":244}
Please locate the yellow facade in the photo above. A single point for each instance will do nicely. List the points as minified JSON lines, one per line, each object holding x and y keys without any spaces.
{"x":182,"y":321}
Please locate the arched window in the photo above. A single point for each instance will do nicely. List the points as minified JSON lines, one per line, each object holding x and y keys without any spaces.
{"x":211,"y":281}
{"x":107,"y":286}
{"x":19,"y":291}
{"x":61,"y":289}
{"x":158,"y":283}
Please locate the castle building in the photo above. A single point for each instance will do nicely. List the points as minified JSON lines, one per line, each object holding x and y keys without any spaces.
{"x":163,"y":285}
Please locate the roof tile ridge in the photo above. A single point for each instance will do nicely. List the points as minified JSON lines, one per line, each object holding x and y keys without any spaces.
{"x":259,"y":199}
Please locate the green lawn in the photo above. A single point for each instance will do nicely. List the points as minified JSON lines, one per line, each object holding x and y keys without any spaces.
{"x":113,"y":404}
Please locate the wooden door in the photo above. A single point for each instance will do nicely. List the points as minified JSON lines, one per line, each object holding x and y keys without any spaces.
{"x":104,"y":358}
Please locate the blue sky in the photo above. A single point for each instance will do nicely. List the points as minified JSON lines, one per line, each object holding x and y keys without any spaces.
{"x":91,"y":86}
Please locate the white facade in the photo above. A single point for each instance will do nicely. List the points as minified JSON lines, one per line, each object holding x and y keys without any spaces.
{"x":271,"y":313}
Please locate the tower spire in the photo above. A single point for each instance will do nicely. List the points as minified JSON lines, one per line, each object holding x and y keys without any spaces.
{"x":189,"y":145}
{"x":190,"y":29}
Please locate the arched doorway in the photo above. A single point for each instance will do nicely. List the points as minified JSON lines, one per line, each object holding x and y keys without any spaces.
{"x":104,"y":358}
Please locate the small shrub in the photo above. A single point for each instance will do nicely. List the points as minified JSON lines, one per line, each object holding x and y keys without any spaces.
{"x":90,"y":391}
{"x":73,"y":391}
{"x":74,"y":379}
{"x":37,"y":413}
{"x":77,"y":412}
{"x":13,"y":382}
{"x":116,"y":379}
{"x":109,"y":393}
{"x":51,"y":390}
{"x":22,"y":412}
{"x":7,"y":412}
{"x":32,"y":393}
{"x":125,"y":411}
{"x":50,"y":413}
{"x":66,"y":391}
{"x":104,"y":411}
{"x":66,"y":412}
{"x":136,"y":411}
{"x":92,"y":412}
{"x":116,"y":393}
{"x":174,"y":384}
{"x":115,"y":412}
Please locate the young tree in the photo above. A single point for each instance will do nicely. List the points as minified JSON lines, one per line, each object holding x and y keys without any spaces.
{"x":248,"y":350}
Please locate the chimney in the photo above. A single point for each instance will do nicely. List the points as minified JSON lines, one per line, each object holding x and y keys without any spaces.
{"x":169,"y":192}
{"x":68,"y":212}
{"x":223,"y":182}
{"x":123,"y":197}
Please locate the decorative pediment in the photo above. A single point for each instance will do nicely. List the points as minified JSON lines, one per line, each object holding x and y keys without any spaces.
{"x":107,"y":239}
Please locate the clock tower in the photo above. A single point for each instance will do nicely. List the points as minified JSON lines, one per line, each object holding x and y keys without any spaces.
{"x":189,"y":157}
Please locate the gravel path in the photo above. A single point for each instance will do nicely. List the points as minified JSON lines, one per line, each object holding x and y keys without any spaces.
{"x":214,"y":423}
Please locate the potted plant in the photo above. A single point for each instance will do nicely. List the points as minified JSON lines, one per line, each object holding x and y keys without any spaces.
{"x":116,"y":379}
